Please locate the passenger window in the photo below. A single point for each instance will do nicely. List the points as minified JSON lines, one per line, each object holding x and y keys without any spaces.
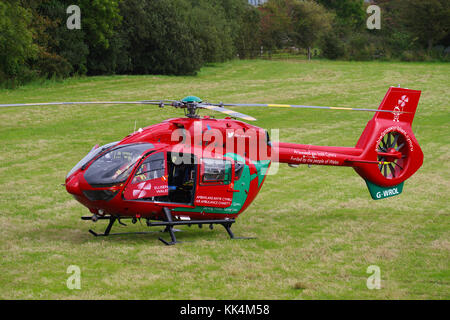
{"x":216,"y":171}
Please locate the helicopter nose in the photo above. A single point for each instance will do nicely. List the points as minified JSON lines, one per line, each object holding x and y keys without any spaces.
{"x":72,"y":186}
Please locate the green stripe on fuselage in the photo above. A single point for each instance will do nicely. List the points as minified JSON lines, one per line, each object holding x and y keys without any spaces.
{"x":261,"y":169}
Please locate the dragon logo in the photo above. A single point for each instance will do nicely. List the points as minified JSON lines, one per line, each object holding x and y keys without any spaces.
{"x":142,"y":189}
{"x":400,"y":104}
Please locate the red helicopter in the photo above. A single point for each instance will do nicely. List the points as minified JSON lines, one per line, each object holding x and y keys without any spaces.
{"x":205,"y":171}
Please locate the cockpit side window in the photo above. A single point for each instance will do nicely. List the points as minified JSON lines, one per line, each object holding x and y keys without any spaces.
{"x":115,"y":165}
{"x":152,"y":168}
{"x":150,"y":179}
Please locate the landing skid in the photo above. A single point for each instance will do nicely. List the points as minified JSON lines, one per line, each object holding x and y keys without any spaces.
{"x":168,"y":223}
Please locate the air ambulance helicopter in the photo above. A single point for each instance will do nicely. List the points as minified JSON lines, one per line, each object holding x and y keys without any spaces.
{"x":204,"y":171}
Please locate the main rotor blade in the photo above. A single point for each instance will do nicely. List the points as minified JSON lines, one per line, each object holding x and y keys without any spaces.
{"x":226,"y":111}
{"x":151,"y":102}
{"x":299,"y":106}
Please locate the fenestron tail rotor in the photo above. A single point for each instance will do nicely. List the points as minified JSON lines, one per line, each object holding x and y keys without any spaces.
{"x":392,"y":155}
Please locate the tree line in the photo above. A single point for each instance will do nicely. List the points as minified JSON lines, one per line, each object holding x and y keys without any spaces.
{"x":177,"y":37}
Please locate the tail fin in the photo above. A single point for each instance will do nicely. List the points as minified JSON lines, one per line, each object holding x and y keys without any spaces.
{"x":390,"y":149}
{"x":402,"y":102}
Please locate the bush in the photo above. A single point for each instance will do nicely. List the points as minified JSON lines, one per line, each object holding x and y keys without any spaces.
{"x":53,"y":66}
{"x":16,"y":43}
{"x":160,"y":37}
{"x":211,"y":30}
{"x":332,"y":47}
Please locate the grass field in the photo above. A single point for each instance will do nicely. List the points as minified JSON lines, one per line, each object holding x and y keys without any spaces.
{"x":317,"y":228}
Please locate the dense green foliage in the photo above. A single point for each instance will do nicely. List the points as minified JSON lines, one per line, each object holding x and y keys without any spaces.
{"x":16,"y":43}
{"x":179,"y":36}
{"x":410,"y":30}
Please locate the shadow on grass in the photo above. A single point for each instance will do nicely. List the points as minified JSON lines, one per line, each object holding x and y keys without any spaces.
{"x":79,"y":235}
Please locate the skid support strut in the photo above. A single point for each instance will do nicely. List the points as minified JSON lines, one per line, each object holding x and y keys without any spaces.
{"x":169,"y":228}
{"x":227,"y":227}
{"x":112,"y":219}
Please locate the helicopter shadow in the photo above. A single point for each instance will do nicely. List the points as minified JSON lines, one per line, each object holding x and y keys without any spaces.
{"x":185,"y":235}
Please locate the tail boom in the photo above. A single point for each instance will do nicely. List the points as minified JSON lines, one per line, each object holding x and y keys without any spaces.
{"x":386,"y":154}
{"x":292,"y":153}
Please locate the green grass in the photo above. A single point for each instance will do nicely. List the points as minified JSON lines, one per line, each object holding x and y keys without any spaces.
{"x":317,"y":228}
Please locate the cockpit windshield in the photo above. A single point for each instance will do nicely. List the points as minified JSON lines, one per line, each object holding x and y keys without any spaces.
{"x":116,"y":165}
{"x":94,"y":152}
